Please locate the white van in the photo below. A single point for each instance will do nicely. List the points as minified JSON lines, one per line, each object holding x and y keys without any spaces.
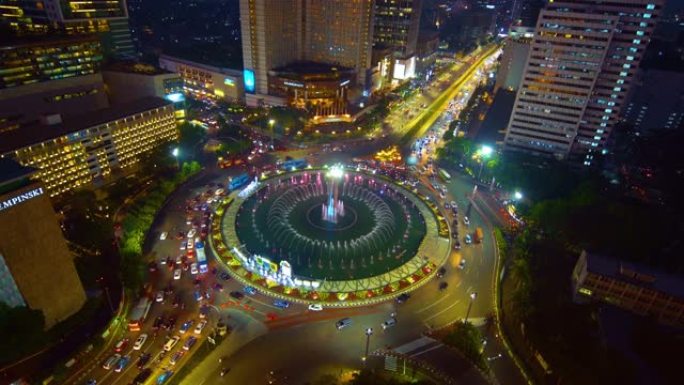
{"x":171,"y":343}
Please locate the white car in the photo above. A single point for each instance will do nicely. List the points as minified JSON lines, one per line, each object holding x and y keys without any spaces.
{"x":163,"y":236}
{"x":177,"y":274}
{"x":179,"y":260}
{"x":466,"y":221}
{"x":192,"y":233}
{"x":160,"y":296}
{"x":315,"y":307}
{"x":193,"y":268}
{"x":389,"y":323}
{"x":140,"y":342}
{"x":200,"y":326}
{"x":191,"y":245}
{"x":219,"y":192}
{"x":183,"y":245}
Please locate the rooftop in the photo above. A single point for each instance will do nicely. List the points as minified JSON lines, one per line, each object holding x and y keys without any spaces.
{"x":135,"y":68}
{"x":636,"y":274}
{"x":28,"y":135}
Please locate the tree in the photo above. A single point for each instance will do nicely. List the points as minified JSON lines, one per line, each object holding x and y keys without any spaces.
{"x":467,"y":338}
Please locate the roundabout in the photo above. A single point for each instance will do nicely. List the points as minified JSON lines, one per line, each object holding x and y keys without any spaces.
{"x":334,"y":236}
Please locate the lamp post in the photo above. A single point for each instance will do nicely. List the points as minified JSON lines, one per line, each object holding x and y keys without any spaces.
{"x":176,"y":152}
{"x":272,"y":123}
{"x":485,"y":152}
{"x":369,"y":333}
{"x":473,"y":295}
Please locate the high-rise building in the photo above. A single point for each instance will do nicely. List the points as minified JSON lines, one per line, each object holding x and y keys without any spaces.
{"x":276,"y":33}
{"x":512,"y":62}
{"x":396,"y":25}
{"x":652,"y":107}
{"x":81,"y":150}
{"x":582,"y":59}
{"x":36,"y":267}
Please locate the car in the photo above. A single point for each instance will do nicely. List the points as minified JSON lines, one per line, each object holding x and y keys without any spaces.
{"x":168,"y":346}
{"x":200,"y":326}
{"x":152,"y":266}
{"x":206,"y":294}
{"x":160,"y":296}
{"x":453,"y":204}
{"x":171,"y":322}
{"x":237,"y":295}
{"x":143,"y":360}
{"x":281,"y":304}
{"x":343,"y":323}
{"x":447,"y":206}
{"x":217,"y":286}
{"x":389,"y":323}
{"x":466,"y":221}
{"x":315,"y":307}
{"x":158,"y":322}
{"x":111,"y":361}
{"x":198,"y":295}
{"x":163,"y":377}
{"x":168,"y":290}
{"x":457,"y":245}
{"x":176,"y":357}
{"x":250,"y":290}
{"x":163,"y":236}
{"x":91,"y":382}
{"x":191,"y":234}
{"x":140,"y":342}
{"x":441,"y":272}
{"x":177,"y":300}
{"x":193,"y":268}
{"x":185,"y":327}
{"x":184,"y":245}
{"x":189,"y":342}
{"x":204,"y":310}
{"x":468,"y":239}
{"x":191,"y":245}
{"x":443,"y":285}
{"x":142,"y":376}
{"x":121,"y":345}
{"x":403,"y":298}
{"x":177,"y":274}
{"x":123,"y":361}
{"x":461,"y":264}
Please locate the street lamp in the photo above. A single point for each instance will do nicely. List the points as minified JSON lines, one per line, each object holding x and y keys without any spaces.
{"x":517,"y":195}
{"x":369,"y":333}
{"x":176,"y":152}
{"x":485,"y":152}
{"x":272,"y":123}
{"x":473,"y":295}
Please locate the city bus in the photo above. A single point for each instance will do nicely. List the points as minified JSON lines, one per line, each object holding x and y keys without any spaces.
{"x":444,"y":175}
{"x":139,"y":314}
{"x":201,"y":257}
{"x":238,"y":181}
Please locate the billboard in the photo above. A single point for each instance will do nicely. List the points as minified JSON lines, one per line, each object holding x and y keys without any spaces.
{"x":250,"y":81}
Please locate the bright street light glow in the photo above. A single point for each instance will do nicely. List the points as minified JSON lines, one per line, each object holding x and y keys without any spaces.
{"x":369,"y":331}
{"x":517,"y":195}
{"x":473,"y":295}
{"x":336,"y":171}
{"x":271,"y":122}
{"x":175,"y":152}
{"x":486,"y":150}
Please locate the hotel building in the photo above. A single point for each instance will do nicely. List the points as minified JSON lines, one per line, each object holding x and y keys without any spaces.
{"x":629,"y":286}
{"x":582,"y":59}
{"x":36,"y":266}
{"x":276,"y":33}
{"x":82,"y":150}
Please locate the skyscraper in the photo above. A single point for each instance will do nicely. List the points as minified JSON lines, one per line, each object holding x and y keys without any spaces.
{"x":582,"y":59}
{"x":279,"y":32}
{"x":396,"y":25}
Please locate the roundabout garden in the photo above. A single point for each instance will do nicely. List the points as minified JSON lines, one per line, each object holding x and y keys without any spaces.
{"x":334,"y":236}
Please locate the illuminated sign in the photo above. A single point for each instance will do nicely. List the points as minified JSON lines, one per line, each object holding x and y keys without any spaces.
{"x":229,"y":82}
{"x":286,"y":269}
{"x":250,"y":82}
{"x":293,"y":84}
{"x":175,"y":97}
{"x":9,"y":203}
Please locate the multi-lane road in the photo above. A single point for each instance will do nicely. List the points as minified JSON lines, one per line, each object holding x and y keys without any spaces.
{"x":298,"y":343}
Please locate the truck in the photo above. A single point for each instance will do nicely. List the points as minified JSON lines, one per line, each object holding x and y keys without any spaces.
{"x":478,"y":235}
{"x":201,"y":257}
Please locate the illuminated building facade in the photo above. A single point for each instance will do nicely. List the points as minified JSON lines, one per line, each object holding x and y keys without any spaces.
{"x":396,"y":25}
{"x":85,"y":149}
{"x":205,"y":82}
{"x":276,"y":33}
{"x":36,"y":266}
{"x":320,"y":89}
{"x":639,"y":289}
{"x":582,"y":60}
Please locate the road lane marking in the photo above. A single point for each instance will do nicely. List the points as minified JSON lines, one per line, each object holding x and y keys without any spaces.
{"x":432,"y":304}
{"x":443,"y":311}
